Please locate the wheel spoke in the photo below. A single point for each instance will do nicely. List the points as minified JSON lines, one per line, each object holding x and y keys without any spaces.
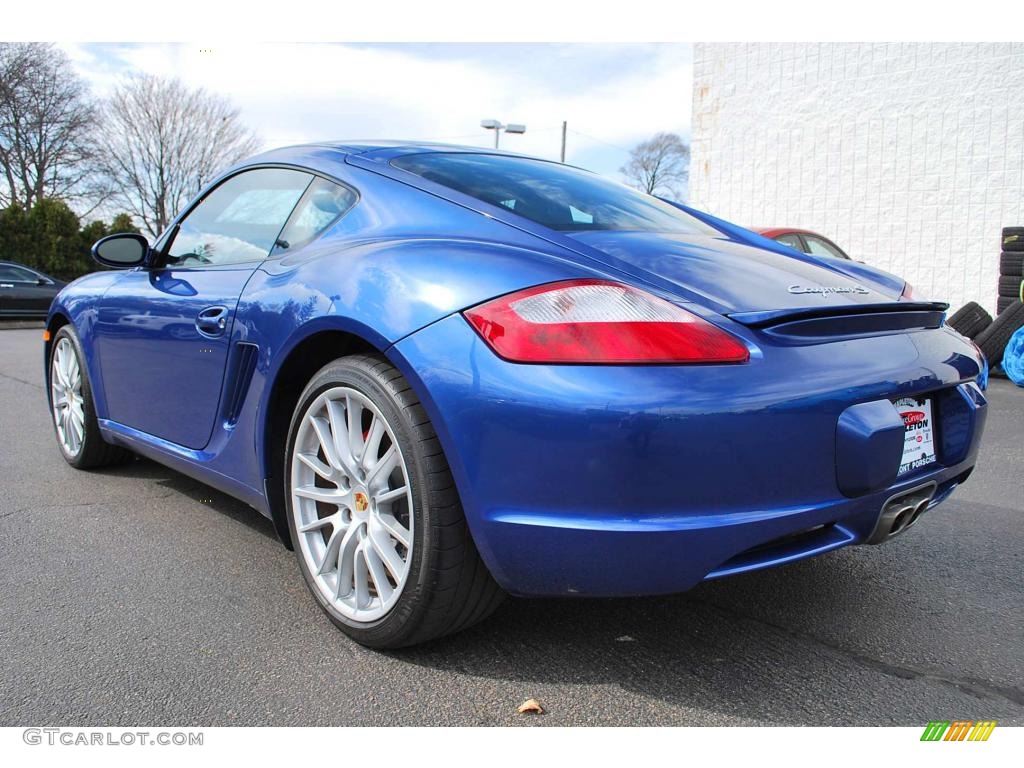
{"x":65,"y":365}
{"x":327,"y":495}
{"x":346,"y":562}
{"x":384,"y":467}
{"x":314,"y":463}
{"x":383,"y":548}
{"x":377,"y":573}
{"x":58,"y":366}
{"x":323,"y":435}
{"x":339,"y":431}
{"x":398,"y":531}
{"x":78,"y":422}
{"x":320,"y":522}
{"x":331,"y":553}
{"x":361,"y":572}
{"x":373,"y":439}
{"x":69,"y":431}
{"x":354,"y":422}
{"x":386,"y":497}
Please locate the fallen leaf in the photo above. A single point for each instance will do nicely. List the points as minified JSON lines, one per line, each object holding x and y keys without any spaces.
{"x":531,"y":706}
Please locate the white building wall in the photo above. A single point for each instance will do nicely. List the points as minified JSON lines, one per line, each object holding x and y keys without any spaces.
{"x":909,"y":156}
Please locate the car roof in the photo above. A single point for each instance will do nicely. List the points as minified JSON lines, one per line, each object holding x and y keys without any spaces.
{"x":341,"y":149}
{"x":328,"y":156}
{"x":776,"y":231}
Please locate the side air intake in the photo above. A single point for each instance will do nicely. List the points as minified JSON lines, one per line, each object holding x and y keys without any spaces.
{"x":243,"y":363}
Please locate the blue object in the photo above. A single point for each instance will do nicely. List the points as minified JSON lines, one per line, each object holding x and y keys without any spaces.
{"x":1013,"y":358}
{"x":575,"y":479}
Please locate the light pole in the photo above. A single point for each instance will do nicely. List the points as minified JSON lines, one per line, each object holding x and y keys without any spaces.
{"x":497,"y":127}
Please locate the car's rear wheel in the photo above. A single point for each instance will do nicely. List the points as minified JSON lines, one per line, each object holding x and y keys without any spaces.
{"x":373,"y":512}
{"x":72,"y":408}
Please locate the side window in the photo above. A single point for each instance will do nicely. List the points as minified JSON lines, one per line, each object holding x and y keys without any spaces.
{"x":18,"y":274}
{"x":818,"y":247}
{"x":323,"y":202}
{"x":791,"y":241}
{"x":238,"y":221}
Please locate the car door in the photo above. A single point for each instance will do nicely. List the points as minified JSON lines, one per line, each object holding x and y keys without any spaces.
{"x":164,"y":332}
{"x":23,"y":292}
{"x":7,"y":275}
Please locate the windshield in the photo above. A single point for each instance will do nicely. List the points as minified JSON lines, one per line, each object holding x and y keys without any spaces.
{"x":557,"y":196}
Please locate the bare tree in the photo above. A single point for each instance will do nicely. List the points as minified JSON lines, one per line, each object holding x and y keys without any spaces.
{"x":658,"y":166}
{"x":162,"y":140}
{"x":45,"y":126}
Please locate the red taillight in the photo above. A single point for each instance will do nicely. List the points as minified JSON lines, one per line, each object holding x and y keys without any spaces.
{"x":909,"y":294}
{"x":599,"y":321}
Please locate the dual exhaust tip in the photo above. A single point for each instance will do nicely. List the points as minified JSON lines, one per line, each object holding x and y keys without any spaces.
{"x":900,"y":512}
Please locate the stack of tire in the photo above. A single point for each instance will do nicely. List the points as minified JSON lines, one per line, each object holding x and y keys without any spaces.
{"x":1011,"y":268}
{"x":975,"y":323}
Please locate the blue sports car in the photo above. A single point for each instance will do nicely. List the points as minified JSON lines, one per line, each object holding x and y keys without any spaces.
{"x":447,"y":373}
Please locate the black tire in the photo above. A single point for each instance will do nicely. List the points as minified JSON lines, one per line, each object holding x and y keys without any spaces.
{"x":993,"y":340}
{"x":448,"y":588}
{"x":93,"y":451}
{"x":1009,"y":286}
{"x":1002,"y":304}
{"x":1013,"y":238}
{"x":970,"y":320}
{"x":1011,"y":263}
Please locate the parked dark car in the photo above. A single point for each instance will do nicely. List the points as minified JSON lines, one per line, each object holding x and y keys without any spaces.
{"x":26,"y":292}
{"x":803,"y":240}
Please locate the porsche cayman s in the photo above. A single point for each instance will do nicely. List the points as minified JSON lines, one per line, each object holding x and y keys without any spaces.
{"x":447,"y":373}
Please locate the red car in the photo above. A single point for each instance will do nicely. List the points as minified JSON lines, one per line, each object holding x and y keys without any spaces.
{"x":803,"y":240}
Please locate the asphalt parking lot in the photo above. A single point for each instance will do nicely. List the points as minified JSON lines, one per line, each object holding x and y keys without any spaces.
{"x":136,"y":596}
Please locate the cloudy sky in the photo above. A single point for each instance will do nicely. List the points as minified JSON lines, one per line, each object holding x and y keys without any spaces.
{"x":611,"y":95}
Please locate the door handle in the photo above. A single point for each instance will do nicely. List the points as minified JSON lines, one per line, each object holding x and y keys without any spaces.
{"x":212,"y":321}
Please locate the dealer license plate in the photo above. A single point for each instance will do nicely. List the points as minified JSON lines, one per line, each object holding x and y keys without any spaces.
{"x":919,"y":433}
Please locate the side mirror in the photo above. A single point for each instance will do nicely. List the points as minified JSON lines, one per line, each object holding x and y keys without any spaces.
{"x":43,"y":281}
{"x":121,"y":251}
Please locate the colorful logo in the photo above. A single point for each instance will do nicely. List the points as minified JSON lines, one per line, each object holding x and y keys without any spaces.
{"x":362,"y":503}
{"x":912,"y":417}
{"x":958,"y":730}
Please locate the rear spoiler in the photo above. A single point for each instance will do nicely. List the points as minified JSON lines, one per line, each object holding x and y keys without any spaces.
{"x":774,"y":316}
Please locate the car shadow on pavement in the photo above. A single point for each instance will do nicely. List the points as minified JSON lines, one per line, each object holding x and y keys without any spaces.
{"x":699,"y":650}
{"x":795,"y":645}
{"x":144,"y":469}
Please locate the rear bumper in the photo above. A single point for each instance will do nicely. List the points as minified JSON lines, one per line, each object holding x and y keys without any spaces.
{"x":615,"y":481}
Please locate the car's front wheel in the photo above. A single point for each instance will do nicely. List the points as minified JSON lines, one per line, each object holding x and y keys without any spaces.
{"x":374,"y":515}
{"x":72,"y":408}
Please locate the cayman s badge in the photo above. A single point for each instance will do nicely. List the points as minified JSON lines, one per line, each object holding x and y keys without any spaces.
{"x":825,"y":290}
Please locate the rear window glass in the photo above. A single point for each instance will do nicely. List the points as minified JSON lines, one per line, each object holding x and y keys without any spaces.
{"x":557,"y":196}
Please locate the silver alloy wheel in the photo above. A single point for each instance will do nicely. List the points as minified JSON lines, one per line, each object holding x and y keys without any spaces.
{"x":66,"y":397}
{"x":352,"y":504}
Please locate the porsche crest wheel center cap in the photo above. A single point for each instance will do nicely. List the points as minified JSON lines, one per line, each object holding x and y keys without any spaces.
{"x":362,"y":501}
